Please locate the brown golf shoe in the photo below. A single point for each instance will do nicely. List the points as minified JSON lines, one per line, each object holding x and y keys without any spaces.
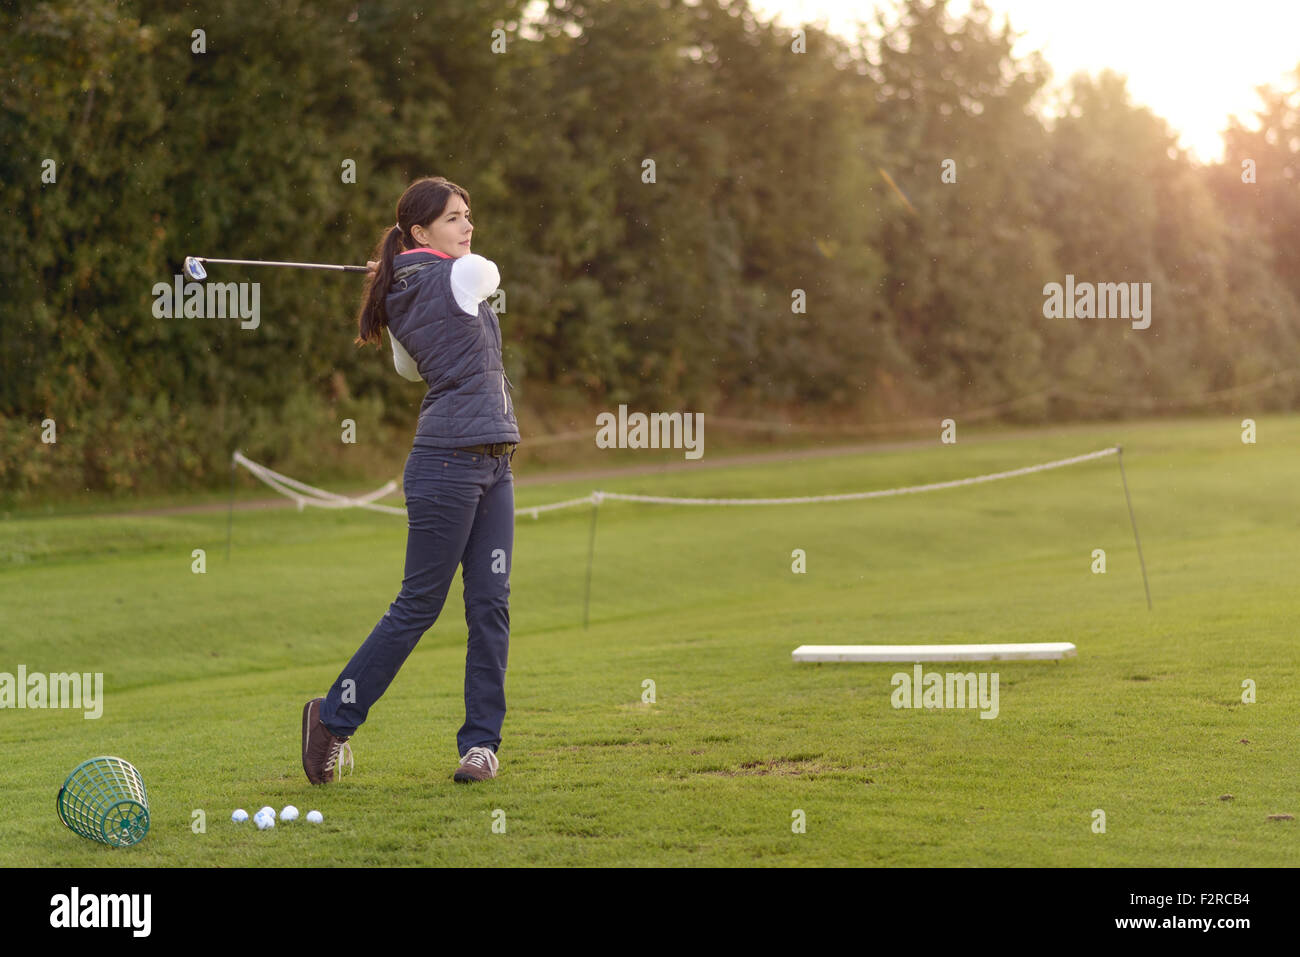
{"x":478,"y":764}
{"x":323,"y":752}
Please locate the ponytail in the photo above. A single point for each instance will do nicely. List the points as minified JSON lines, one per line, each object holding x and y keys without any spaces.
{"x":374,"y":313}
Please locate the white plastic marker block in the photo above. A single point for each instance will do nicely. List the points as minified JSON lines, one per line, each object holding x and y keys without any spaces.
{"x":910,"y":653}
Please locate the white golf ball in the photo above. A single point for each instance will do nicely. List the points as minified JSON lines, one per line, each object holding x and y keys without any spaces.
{"x":264,"y":821}
{"x":290,"y":813}
{"x":240,"y":816}
{"x":267,"y":810}
{"x":315,"y":817}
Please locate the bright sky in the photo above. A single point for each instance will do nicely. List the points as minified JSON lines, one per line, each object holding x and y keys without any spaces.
{"x":1193,"y":62}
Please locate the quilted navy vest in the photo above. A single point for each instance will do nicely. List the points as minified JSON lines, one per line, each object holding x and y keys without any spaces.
{"x":458,"y":355}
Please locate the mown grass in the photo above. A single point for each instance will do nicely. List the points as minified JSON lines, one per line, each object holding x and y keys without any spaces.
{"x":206,"y":674}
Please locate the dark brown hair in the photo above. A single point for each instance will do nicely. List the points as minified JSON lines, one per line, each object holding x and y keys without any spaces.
{"x":422,"y":203}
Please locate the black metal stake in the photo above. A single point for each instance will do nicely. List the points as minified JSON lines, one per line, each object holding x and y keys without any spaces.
{"x":591,"y":552}
{"x":230,"y":518}
{"x":1131,"y":518}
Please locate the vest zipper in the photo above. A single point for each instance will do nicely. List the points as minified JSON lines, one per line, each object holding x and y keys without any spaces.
{"x":503,"y":393}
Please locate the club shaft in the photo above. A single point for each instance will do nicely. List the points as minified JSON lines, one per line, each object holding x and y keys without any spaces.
{"x":264,"y":262}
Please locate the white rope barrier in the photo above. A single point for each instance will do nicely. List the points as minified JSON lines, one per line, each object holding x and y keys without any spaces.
{"x":854,"y":496}
{"x":294,"y":489}
{"x":315,"y":496}
{"x":535,"y":509}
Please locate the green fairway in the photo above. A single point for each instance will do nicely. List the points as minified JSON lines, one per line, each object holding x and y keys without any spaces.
{"x":206,"y":674}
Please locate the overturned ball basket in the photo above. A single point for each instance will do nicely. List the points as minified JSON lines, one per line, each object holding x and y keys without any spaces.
{"x":104,"y":800}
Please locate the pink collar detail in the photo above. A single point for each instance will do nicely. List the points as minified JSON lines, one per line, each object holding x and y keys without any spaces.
{"x":425,"y":249}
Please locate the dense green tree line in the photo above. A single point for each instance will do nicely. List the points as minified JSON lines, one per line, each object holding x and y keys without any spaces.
{"x":683,"y":292}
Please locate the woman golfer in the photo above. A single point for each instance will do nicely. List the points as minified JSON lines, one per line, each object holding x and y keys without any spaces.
{"x":428,"y":290}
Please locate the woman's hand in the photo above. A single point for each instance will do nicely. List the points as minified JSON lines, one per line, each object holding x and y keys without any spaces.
{"x":372,"y":267}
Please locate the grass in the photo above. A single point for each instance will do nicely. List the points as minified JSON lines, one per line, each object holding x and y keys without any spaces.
{"x":206,"y":674}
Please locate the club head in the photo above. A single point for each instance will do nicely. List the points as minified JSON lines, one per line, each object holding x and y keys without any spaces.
{"x":194,"y":269}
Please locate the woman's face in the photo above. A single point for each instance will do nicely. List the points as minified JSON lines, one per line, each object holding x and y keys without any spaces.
{"x":450,"y":232}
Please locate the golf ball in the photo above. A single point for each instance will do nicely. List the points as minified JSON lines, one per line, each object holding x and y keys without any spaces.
{"x":267,"y":810}
{"x":240,"y":816}
{"x":290,"y":813}
{"x":264,"y":821}
{"x":315,"y":817}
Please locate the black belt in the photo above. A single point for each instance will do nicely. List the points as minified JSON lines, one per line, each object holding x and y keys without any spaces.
{"x":499,"y":448}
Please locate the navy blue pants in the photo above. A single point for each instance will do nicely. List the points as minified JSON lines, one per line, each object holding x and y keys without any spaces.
{"x":460,"y":511}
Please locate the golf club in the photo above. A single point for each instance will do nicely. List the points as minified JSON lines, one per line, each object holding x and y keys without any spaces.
{"x":194,"y":265}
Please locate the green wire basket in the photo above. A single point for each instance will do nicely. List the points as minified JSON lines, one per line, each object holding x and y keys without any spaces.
{"x":104,"y":800}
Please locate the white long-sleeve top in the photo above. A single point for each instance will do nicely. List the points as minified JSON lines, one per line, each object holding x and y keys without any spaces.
{"x":473,"y":279}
